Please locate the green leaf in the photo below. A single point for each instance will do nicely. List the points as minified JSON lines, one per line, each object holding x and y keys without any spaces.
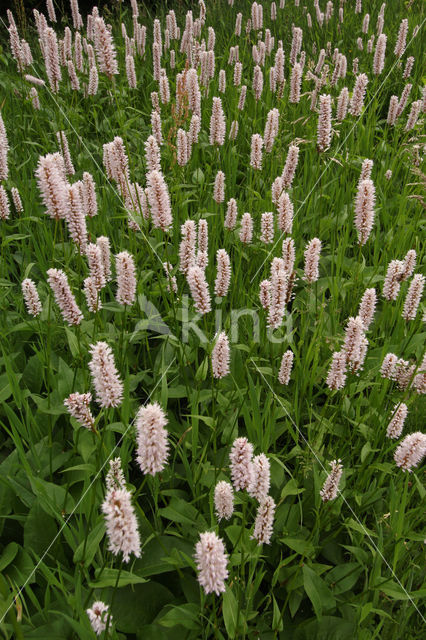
{"x":318,"y":592}
{"x":186,"y":615}
{"x":277,"y":618}
{"x":230,"y":611}
{"x":108,"y":578}
{"x":92,"y":545}
{"x":8,"y":555}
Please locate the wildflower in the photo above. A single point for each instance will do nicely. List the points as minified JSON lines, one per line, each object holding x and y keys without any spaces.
{"x":31,"y":297}
{"x":152,"y":154}
{"x":4,"y":204}
{"x":98,"y":616}
{"x":199,"y":289}
{"x":286,"y":366}
{"x":187,"y":246}
{"x":337,"y":374}
{"x":211,"y":562}
{"x":223,"y":277}
{"x":256,"y":151}
{"x":396,"y":424}
{"x":221,"y":356}
{"x":241,"y":463}
{"x":279,"y":283}
{"x":63,"y":296}
{"x":261,"y":480}
{"x":104,"y":245}
{"x":223,"y":500}
{"x":312,"y":255}
{"x":295,"y":83}
{"x":413,"y":297}
{"x":105,"y":50}
{"x":402,"y":38}
{"x":411,"y":451}
{"x":246,"y":232}
{"x":51,"y":58}
{"x":91,"y":293}
{"x":331,"y":485}
{"x":115,"y":477}
{"x":379,"y":55}
{"x":50,"y":176}
{"x":96,"y":265}
{"x":257,"y":82}
{"x":121,"y":523}
{"x":264,"y":521}
{"x":271,"y":129}
{"x":217,"y":123}
{"x":182,"y":148}
{"x":414,"y":115}
{"x":393,"y":110}
{"x":357,"y":101}
{"x":75,"y":217}
{"x":267,"y":226}
{"x":367,"y":307}
{"x":108,"y":386}
{"x":288,"y":253}
{"x":290,"y":166}
{"x":342,"y":104}
{"x":78,"y":406}
{"x":126,"y":278}
{"x":219,"y":187}
{"x":388,"y":174}
{"x":231,"y":214}
{"x":153,"y":447}
{"x":265,"y":293}
{"x":242,"y":99}
{"x":364,"y":209}
{"x":324,"y":123}
{"x":4,"y":148}
{"x":159,"y":201}
{"x":402,"y":103}
{"x":392,"y":283}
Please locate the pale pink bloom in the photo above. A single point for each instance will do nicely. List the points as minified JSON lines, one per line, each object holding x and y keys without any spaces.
{"x":324,"y":123}
{"x":367,"y":307}
{"x":241,"y":463}
{"x":199,"y":289}
{"x":393,"y":110}
{"x":285,"y":213}
{"x":114,"y":479}
{"x":278,"y":299}
{"x":223,"y":500}
{"x":296,"y":45}
{"x":257,"y":82}
{"x":98,"y":616}
{"x":408,"y":67}
{"x":413,"y":115}
{"x":238,"y":21}
{"x":286,"y":367}
{"x":261,"y":480}
{"x":366,"y":169}
{"x":355,"y":62}
{"x":217,"y":123}
{"x":187,"y":246}
{"x":242,"y":99}
{"x":365,"y":23}
{"x":131,"y":72}
{"x":289,"y":255}
{"x":64,"y":298}
{"x":108,"y":386}
{"x":256,"y":151}
{"x":290,"y":166}
{"x":295,"y":83}
{"x":411,"y":451}
{"x":104,"y":245}
{"x":419,"y":381}
{"x":75,"y":218}
{"x":74,"y":81}
{"x":223,"y":277}
{"x":392,"y":283}
{"x":246,"y":232}
{"x":121,"y":523}
{"x":159,"y":200}
{"x":233,"y":131}
{"x":104,"y":47}
{"x":64,"y":149}
{"x":402,"y":38}
{"x":231,"y":215}
{"x":77,"y":20}
{"x":51,"y":58}
{"x":202,"y":259}
{"x":402,"y":103}
{"x":238,"y":69}
{"x":182,"y":148}
{"x":51,"y":182}
{"x":164,"y":87}
{"x":219,"y":187}
{"x":203,"y":241}
{"x":38,"y":81}
{"x":91,"y":293}
{"x":4,"y":204}
{"x":355,"y":343}
{"x":271,"y":129}
{"x":388,"y":367}
{"x":342,"y":104}
{"x":264,"y":521}
{"x":221,"y":356}
{"x":279,"y":66}
{"x":336,"y":377}
{"x":331,"y":485}
{"x":403,"y":373}
{"x":211,"y":562}
{"x":408,"y":264}
{"x":267,"y":227}
{"x":312,"y":255}
{"x":153,"y":447}
{"x":388,"y":174}
{"x":96,"y":265}
{"x":89,"y":195}
{"x":50,"y":10}
{"x":396,"y":424}
{"x":379,"y":55}
{"x":78,"y":406}
{"x":156,"y":126}
{"x":357,"y":100}
{"x":370,"y":44}
{"x":222,"y":81}
{"x":265,"y":293}
{"x":31,"y":297}
{"x":171,"y":280}
{"x":126,"y":278}
{"x":413,"y":297}
{"x":364,"y":209}
{"x":93,"y":81}
{"x":194,"y":128}
{"x":33,"y":96}
{"x":276,"y":189}
{"x":152,"y":154}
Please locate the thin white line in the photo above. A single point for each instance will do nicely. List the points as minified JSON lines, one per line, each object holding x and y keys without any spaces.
{"x":77,"y":505}
{"x":340,"y":493}
{"x":336,"y":151}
